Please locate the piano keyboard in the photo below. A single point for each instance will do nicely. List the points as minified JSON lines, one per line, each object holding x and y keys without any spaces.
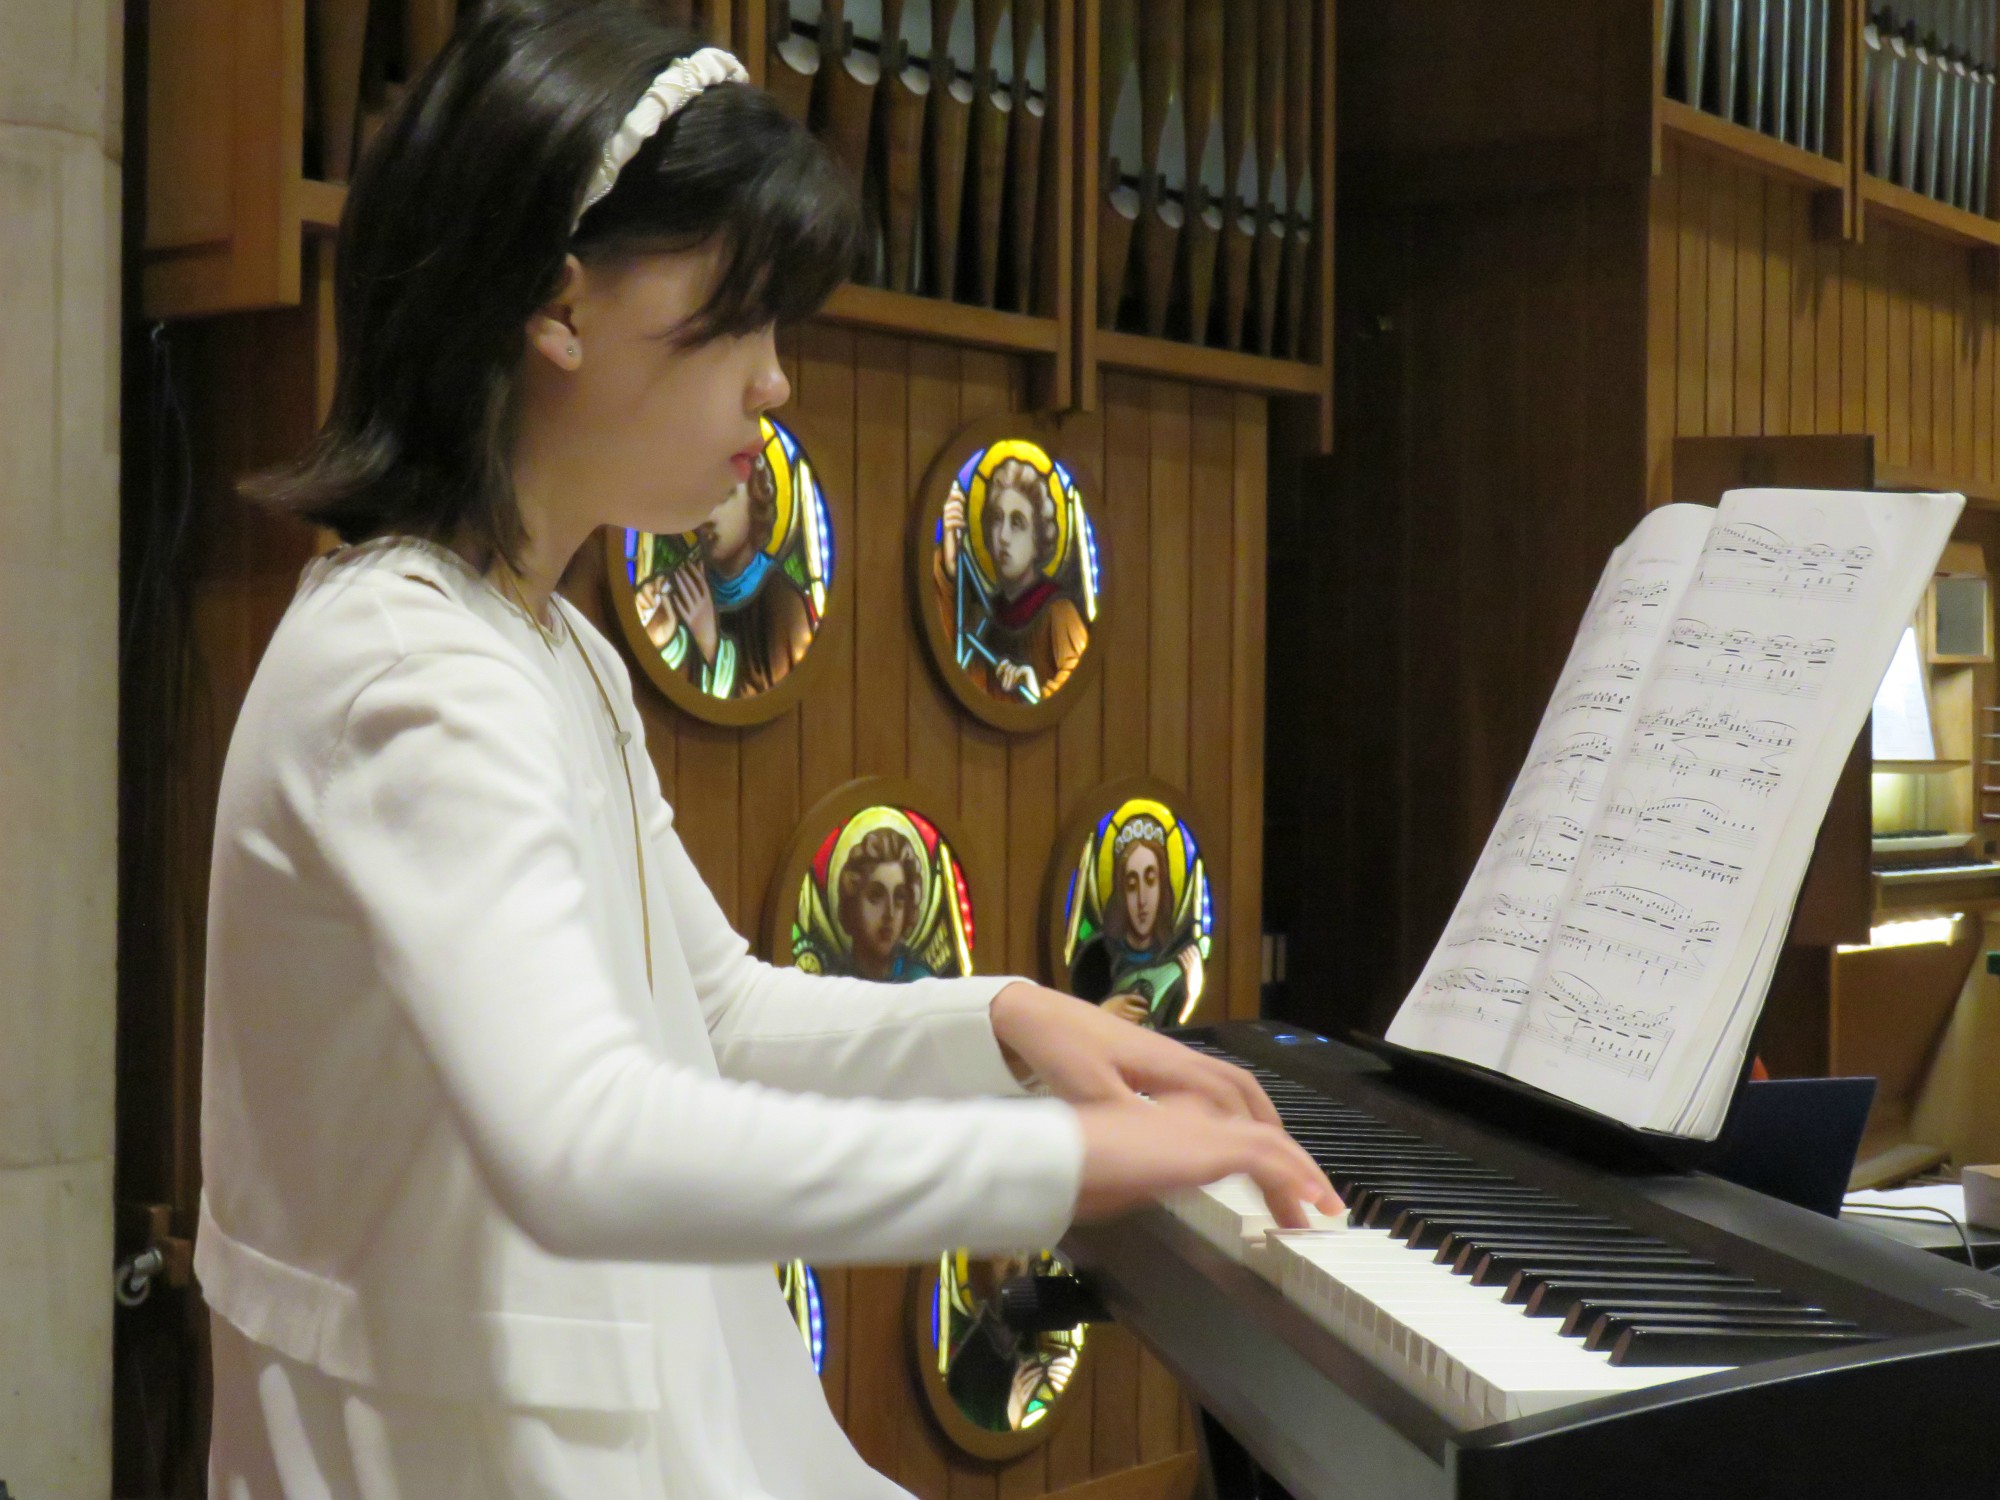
{"x":1519,"y":1303}
{"x":1488,"y":1298}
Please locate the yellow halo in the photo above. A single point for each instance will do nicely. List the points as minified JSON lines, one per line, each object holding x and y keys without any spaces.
{"x":975,"y":502}
{"x":1106,"y":852}
{"x":858,"y":828}
{"x":784,"y":481}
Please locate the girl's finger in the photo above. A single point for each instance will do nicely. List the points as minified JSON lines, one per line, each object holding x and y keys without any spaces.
{"x":1255,"y":1100}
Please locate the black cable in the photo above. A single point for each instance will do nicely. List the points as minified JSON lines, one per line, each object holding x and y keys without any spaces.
{"x":1893,"y":1210}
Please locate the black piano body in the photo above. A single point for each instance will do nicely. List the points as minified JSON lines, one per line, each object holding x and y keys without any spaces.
{"x":1915,"y":1414}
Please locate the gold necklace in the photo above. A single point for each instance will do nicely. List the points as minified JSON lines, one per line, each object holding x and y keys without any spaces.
{"x":621,"y":738}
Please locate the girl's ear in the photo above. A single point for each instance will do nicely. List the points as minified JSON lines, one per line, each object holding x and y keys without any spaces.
{"x":552,"y":327}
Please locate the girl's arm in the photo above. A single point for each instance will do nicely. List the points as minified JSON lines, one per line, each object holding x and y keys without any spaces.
{"x":443,"y":813}
{"x":931,"y":1038}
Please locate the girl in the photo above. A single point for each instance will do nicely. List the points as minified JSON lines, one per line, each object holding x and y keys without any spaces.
{"x":503,"y":1128}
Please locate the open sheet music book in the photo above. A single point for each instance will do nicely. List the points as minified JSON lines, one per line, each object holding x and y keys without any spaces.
{"x":1615,"y":941}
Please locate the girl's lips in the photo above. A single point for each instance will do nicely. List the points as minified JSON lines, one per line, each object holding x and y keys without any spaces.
{"x":742,"y":462}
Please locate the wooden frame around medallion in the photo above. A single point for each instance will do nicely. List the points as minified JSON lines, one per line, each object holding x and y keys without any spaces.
{"x":1016,"y":718}
{"x":837,"y":806}
{"x":960,"y":1430}
{"x":1069,"y":843}
{"x":733,"y":713}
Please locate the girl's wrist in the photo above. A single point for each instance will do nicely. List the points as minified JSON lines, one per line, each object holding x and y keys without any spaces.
{"x":1009,"y":1012}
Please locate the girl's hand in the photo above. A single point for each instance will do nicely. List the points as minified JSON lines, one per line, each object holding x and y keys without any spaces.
{"x":1085,"y":1054}
{"x":1135,"y":1151}
{"x":1204,"y":1118}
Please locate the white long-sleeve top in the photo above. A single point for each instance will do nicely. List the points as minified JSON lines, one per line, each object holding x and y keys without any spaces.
{"x":465,"y":1168}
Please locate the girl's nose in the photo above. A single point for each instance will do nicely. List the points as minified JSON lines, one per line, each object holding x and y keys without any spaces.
{"x":771,"y":389}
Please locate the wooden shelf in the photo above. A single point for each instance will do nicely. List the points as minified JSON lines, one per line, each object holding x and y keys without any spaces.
{"x":1984,"y":493}
{"x":1767,"y":154}
{"x":1226,"y":367}
{"x":932,"y":317}
{"x":1928,"y":215}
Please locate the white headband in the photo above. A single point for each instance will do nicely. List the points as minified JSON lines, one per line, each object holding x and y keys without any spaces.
{"x":672,"y":89}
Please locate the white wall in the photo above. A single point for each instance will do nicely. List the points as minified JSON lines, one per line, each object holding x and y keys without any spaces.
{"x":61,"y":132}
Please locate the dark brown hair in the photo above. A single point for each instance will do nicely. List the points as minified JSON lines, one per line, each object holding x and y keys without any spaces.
{"x":455,"y":231}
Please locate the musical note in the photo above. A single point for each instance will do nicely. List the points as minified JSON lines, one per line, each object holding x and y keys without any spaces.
{"x":1505,"y":921}
{"x":1600,"y":700}
{"x":1573,"y":765}
{"x":1684,"y":817}
{"x":1630,"y":607}
{"x":1571,"y":1014}
{"x":1745,"y":558}
{"x":1647,"y":964}
{"x":1737,"y":658}
{"x":1659,"y":913}
{"x":1696,"y":744}
{"x":1545,"y":843}
{"x":1611,"y":848}
{"x":1474,"y":994}
{"x":1622,"y":668}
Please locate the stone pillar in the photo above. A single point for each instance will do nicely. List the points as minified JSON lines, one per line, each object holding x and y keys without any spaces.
{"x":61,"y":139}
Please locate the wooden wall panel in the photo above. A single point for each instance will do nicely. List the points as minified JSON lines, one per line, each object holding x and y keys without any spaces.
{"x":1518,"y":368}
{"x":1761,"y":329}
{"x":1494,"y":424}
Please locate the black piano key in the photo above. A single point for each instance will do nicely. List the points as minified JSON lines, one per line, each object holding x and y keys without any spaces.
{"x":1422,"y":1231}
{"x":1398,"y":1214}
{"x":1370,"y":1171}
{"x":1549,"y":1296}
{"x":1412,"y":1175}
{"x":1452,"y":1194}
{"x":1661,"y":1346}
{"x":1500,"y":1268}
{"x":1409,"y":1179}
{"x":1585,"y":1311}
{"x":1462,"y":1252}
{"x":1379,"y":1209}
{"x":1362,"y":1144}
{"x":1349,"y":1180}
{"x":1427,"y":1231}
{"x":1604,"y":1332}
{"x":1511,"y":1221}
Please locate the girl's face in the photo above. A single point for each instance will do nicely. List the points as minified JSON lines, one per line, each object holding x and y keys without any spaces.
{"x":635,"y":429}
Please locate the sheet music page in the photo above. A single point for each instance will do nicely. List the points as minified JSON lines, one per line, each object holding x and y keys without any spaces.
{"x":1468,"y":1002}
{"x":1615,"y":940}
{"x":1704,"y":823}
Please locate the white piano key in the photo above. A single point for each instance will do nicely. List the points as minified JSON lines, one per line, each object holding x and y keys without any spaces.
{"x":1459,"y":1348}
{"x":1232,"y":1215}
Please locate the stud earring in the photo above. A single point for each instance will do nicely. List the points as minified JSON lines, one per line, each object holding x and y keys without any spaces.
{"x":574,"y":352}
